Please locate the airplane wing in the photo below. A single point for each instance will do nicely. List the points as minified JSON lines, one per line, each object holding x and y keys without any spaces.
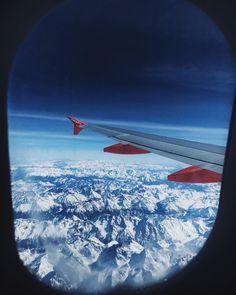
{"x":206,"y":160}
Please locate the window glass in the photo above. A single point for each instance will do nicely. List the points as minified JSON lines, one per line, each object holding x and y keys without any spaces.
{"x":89,"y":220}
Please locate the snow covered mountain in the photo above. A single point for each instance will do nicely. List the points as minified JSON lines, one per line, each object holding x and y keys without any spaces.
{"x":108,"y":223}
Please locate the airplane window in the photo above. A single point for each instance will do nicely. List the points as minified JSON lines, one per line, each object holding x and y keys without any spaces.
{"x":118,"y":121}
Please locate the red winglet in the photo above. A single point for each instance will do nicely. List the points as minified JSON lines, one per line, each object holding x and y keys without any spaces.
{"x":127,"y":149}
{"x":78,"y":125}
{"x":195,"y":174}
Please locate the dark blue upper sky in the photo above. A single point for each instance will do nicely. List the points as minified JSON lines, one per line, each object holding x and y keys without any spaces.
{"x":129,"y":60}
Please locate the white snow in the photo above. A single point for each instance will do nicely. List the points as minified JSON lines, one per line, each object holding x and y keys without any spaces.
{"x":155,"y":224}
{"x":45,"y":267}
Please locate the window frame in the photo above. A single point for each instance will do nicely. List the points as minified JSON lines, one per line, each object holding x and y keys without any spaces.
{"x":212,"y":269}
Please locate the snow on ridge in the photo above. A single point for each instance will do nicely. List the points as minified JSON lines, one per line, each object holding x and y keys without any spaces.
{"x":45,"y":267}
{"x":116,"y":222}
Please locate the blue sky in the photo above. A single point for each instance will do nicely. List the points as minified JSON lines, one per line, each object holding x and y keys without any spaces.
{"x":162,"y":67}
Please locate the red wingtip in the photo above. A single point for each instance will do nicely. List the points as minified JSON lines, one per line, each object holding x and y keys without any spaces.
{"x":78,"y":125}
